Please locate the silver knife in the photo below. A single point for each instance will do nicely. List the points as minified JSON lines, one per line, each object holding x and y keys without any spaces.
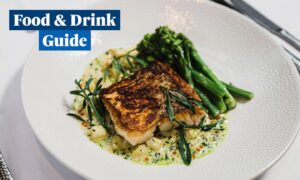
{"x":248,"y":10}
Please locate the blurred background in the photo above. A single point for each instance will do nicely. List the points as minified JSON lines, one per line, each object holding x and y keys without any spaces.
{"x":24,"y":155}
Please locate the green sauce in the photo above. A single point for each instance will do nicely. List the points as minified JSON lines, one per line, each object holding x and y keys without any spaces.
{"x":201,"y":144}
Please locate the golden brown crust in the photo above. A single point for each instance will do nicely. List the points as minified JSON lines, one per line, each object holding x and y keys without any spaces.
{"x":138,"y":101}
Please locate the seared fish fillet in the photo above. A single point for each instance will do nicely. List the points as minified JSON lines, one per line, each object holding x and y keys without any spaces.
{"x":137,"y":104}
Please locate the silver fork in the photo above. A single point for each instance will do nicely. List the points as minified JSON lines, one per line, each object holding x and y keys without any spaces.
{"x":4,"y":171}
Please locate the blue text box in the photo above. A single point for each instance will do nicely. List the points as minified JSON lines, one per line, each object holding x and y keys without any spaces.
{"x":64,"y":40}
{"x":109,"y":19}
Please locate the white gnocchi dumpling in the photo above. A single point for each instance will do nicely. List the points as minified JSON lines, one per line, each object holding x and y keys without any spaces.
{"x":118,"y":142}
{"x":192,"y":133}
{"x":155,"y":144}
{"x":140,"y":152}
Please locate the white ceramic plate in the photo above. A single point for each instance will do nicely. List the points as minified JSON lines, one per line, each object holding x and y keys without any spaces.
{"x":260,"y":131}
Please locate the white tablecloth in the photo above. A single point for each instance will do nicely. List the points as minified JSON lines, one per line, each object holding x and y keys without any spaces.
{"x":26,"y":158}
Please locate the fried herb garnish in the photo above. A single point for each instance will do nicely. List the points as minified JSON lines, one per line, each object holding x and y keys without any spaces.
{"x":189,"y":103}
{"x":125,"y":70}
{"x":184,"y":148}
{"x":90,"y":103}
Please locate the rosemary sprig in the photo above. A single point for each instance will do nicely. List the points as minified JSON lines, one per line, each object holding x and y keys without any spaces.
{"x":184,"y":148}
{"x":89,"y":110}
{"x":139,"y":60}
{"x":90,"y":97}
{"x":105,"y":74}
{"x":187,"y":102}
{"x":202,"y":125}
{"x":183,"y":100}
{"x":208,"y":127}
{"x":118,"y":67}
{"x":121,"y":69}
{"x":75,"y":116}
{"x":169,"y":106}
{"x":128,"y":56}
{"x":198,"y":103}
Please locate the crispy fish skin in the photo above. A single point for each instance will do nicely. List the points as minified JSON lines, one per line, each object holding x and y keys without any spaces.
{"x":137,"y":104}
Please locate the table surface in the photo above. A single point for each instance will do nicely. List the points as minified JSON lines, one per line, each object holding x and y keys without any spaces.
{"x":27,"y":159}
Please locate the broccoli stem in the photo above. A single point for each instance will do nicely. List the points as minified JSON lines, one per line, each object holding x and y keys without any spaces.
{"x":199,"y":63}
{"x":207,"y":83}
{"x":212,"y":109}
{"x":238,"y":92}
